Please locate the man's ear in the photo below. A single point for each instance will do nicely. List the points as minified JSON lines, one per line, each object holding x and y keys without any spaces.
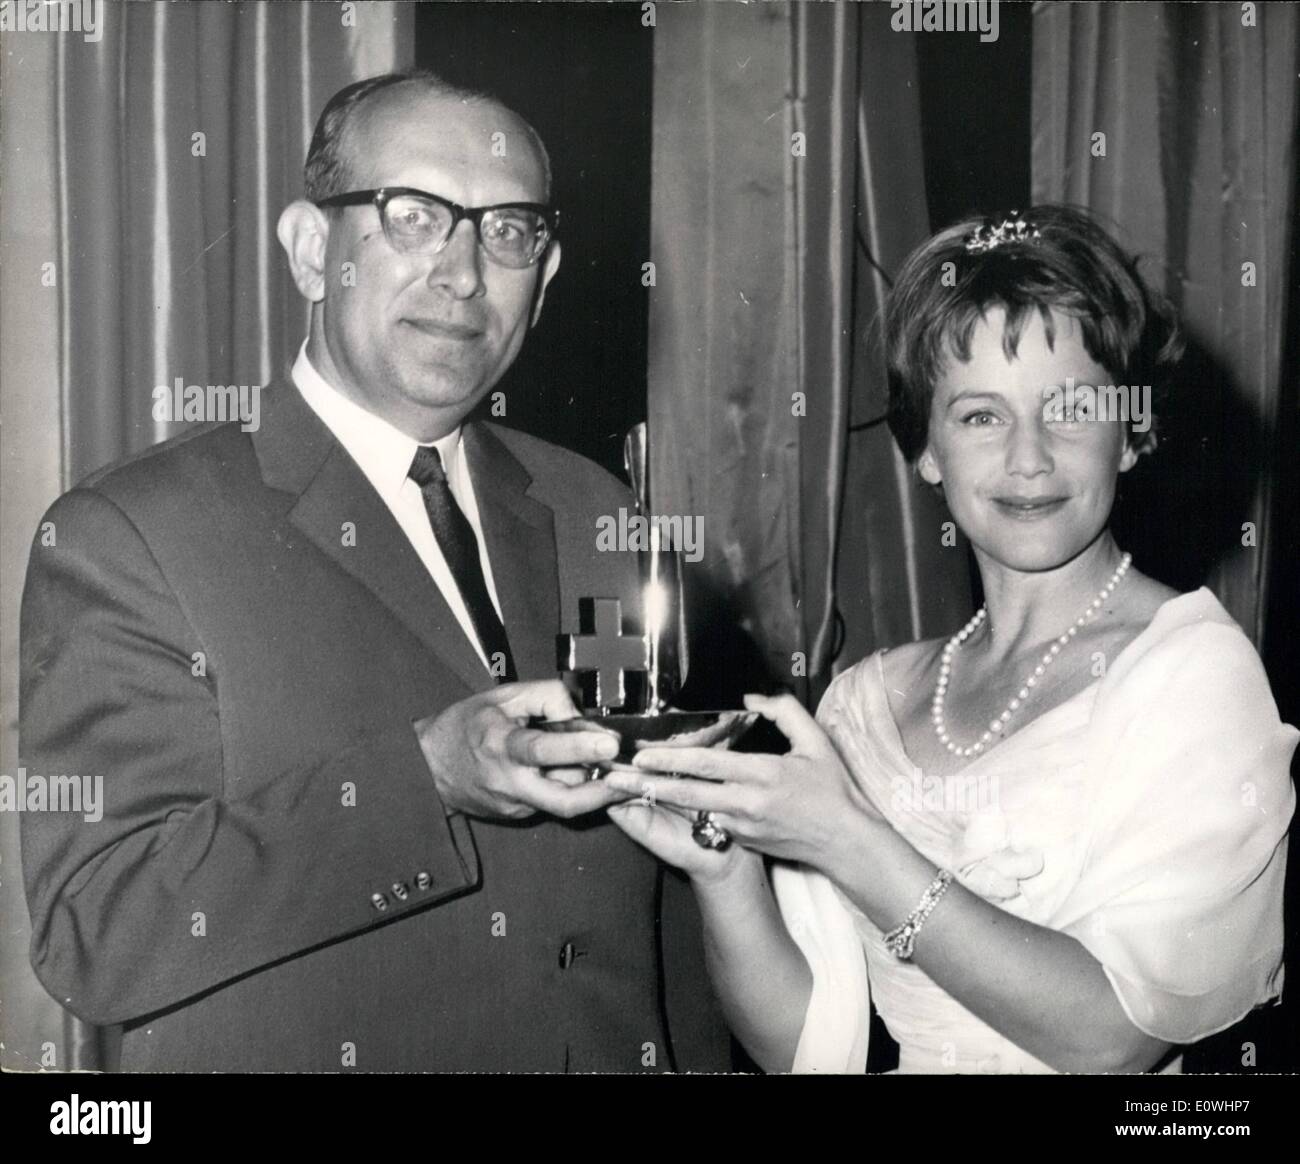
{"x":303,"y":231}
{"x":550,"y":264}
{"x":928,"y":467}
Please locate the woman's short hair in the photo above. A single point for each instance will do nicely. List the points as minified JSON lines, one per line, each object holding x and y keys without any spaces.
{"x":1061,"y":260}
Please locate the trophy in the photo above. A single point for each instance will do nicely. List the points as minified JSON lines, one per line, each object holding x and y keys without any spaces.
{"x":628,"y":679}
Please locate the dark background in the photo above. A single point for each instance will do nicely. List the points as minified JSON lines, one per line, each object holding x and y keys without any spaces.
{"x":581,"y":74}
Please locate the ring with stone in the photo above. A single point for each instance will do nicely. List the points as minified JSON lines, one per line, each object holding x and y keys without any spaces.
{"x":708,"y":833}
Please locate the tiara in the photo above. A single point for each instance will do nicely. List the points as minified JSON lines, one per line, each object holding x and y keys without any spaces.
{"x":1010,"y":230}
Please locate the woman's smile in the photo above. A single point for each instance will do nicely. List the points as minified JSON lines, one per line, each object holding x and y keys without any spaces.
{"x":1026,"y":508}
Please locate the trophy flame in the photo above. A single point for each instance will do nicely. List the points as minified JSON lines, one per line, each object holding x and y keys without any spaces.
{"x":662,"y":597}
{"x":602,"y":656}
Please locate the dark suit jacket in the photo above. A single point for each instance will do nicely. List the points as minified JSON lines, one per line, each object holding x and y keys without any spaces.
{"x":201,"y":635}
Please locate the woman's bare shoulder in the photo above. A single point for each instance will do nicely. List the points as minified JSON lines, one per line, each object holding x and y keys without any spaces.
{"x":909,"y":663}
{"x":1142,"y":598}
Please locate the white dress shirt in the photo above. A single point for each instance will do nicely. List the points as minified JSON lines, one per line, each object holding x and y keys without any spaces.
{"x":384,"y":454}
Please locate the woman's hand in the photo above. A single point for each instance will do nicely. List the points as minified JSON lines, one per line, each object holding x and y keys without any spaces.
{"x":666,"y":832}
{"x":787,"y":806}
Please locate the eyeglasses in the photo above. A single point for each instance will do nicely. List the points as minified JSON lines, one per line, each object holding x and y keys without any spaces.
{"x":416,"y":222}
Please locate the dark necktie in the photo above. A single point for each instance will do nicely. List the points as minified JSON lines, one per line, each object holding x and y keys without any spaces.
{"x":460,"y":547}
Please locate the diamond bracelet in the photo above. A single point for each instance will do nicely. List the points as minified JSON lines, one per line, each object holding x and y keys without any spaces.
{"x":900,"y":941}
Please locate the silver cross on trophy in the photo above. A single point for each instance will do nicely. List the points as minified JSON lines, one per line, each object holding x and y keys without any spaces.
{"x":630,"y":678}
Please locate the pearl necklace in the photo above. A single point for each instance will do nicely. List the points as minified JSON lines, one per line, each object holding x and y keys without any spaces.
{"x":997,"y":725}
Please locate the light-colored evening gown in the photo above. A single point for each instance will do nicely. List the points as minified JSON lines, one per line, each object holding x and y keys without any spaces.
{"x":1157,"y":800}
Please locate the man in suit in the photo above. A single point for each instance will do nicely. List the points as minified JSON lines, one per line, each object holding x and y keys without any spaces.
{"x":328,"y":838}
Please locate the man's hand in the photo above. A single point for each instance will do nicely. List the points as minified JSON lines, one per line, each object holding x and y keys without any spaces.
{"x":486,"y":762}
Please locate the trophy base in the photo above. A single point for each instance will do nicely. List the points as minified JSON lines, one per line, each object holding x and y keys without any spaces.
{"x":667,"y":729}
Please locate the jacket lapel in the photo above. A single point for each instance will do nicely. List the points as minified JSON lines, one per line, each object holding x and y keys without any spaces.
{"x":520,"y":535}
{"x":299,"y":455}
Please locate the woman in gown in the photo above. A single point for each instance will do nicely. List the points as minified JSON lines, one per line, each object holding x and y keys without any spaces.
{"x":1057,"y":840}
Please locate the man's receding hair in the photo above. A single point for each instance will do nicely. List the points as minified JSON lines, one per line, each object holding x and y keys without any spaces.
{"x":327,"y":171}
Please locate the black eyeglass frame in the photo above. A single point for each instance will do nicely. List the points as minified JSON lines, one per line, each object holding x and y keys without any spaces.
{"x":380,"y":197}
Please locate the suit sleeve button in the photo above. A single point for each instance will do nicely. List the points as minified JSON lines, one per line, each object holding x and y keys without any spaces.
{"x":400,"y":891}
{"x":423,"y":880}
{"x":379,"y":901}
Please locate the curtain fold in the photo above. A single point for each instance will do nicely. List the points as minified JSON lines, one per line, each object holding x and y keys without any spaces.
{"x":724,"y":354}
{"x":181,"y":135}
{"x":29,"y":469}
{"x":902,"y":573}
{"x":1196,"y":170}
{"x":787,"y":151}
{"x":824,"y":43}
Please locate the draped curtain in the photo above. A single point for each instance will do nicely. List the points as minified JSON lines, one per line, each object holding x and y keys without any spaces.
{"x":1177,"y":122}
{"x":139,"y":247}
{"x":786,"y":183}
{"x":181,"y":136}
